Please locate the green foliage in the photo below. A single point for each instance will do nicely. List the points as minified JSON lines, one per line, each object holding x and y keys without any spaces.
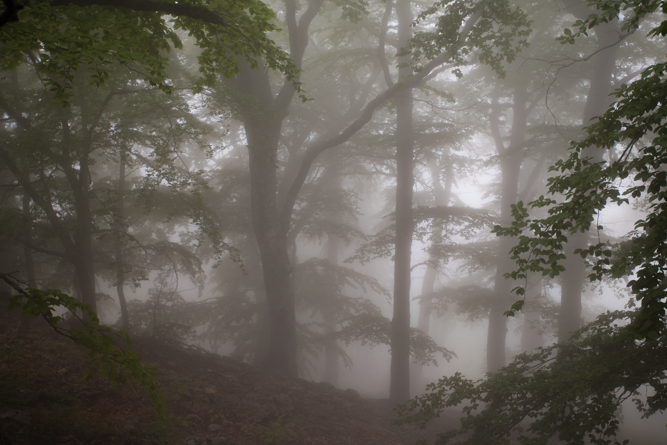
{"x":500,"y":32}
{"x":633,"y":11}
{"x":572,"y":390}
{"x":633,"y":130}
{"x":60,"y":40}
{"x":108,"y":353}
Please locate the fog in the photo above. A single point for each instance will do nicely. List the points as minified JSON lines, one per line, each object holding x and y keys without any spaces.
{"x":329,"y":212}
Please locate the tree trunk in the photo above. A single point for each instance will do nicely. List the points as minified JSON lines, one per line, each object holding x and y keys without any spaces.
{"x":263,"y":135}
{"x":331,"y":349}
{"x":118,"y":238}
{"x":28,"y":260}
{"x":510,"y":166}
{"x":531,"y":336}
{"x":83,"y":236}
{"x":400,"y":327}
{"x":597,"y":101}
{"x":441,"y":198}
{"x":331,"y":355}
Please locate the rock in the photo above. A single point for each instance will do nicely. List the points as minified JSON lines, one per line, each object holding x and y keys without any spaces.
{"x":214,"y":427}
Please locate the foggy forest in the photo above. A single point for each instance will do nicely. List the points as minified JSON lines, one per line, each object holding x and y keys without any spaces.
{"x":453,"y":210}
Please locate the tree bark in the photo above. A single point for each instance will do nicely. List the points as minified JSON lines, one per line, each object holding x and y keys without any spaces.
{"x":510,"y":167}
{"x":263,"y":136}
{"x":334,"y":183}
{"x":28,"y":260}
{"x":399,"y":390}
{"x":119,"y":221}
{"x":441,"y":198}
{"x":331,"y":354}
{"x":597,"y":101}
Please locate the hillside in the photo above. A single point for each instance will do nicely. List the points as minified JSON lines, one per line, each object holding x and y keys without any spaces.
{"x":44,"y":399}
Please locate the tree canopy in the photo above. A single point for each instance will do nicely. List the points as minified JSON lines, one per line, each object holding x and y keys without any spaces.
{"x":62,"y":37}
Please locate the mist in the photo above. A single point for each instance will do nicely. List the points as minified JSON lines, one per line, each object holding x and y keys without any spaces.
{"x":321,"y":193}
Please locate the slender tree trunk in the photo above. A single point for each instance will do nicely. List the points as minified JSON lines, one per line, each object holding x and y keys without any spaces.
{"x":28,"y":260}
{"x":334,"y":183}
{"x":400,"y":328}
{"x":597,"y":101}
{"x":331,"y":354}
{"x":510,"y":166}
{"x":441,"y":198}
{"x":118,"y":238}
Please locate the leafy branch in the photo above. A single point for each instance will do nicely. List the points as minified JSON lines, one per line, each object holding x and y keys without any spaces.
{"x":106,"y":353}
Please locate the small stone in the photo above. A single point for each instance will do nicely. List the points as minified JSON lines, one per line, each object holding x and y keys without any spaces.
{"x":62,"y":371}
{"x":219,"y":440}
{"x":214,"y":427}
{"x":210,"y":391}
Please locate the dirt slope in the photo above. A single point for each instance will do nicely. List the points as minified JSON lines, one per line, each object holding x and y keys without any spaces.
{"x":210,"y":399}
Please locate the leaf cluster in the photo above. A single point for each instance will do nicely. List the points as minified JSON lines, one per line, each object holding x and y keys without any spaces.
{"x":500,"y":32}
{"x":572,"y":390}
{"x":62,"y":39}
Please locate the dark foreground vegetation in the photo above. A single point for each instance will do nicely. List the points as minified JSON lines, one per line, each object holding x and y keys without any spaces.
{"x":45,"y":399}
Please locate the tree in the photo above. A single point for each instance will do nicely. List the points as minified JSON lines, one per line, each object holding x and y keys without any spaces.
{"x":492,"y":28}
{"x":64,"y":36}
{"x":573,"y":389}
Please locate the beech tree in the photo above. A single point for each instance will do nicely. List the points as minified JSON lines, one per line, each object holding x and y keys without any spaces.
{"x":493,"y":28}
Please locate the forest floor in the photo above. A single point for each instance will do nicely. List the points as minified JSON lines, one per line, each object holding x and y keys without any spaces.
{"x":46,"y":399}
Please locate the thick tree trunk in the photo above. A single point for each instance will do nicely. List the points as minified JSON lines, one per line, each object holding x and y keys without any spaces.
{"x":510,"y":166}
{"x":83,"y":237}
{"x":597,"y":101}
{"x":263,"y":135}
{"x":400,"y":328}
